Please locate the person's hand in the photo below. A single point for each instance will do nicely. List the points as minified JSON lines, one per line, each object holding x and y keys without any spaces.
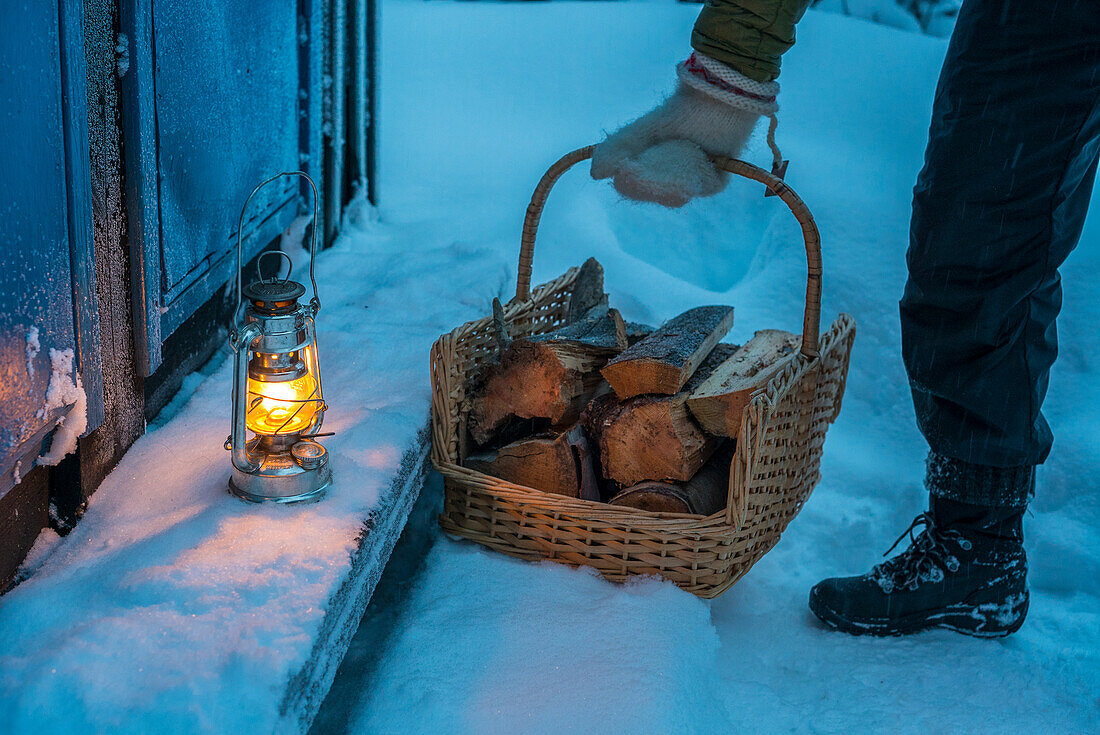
{"x":663,"y":156}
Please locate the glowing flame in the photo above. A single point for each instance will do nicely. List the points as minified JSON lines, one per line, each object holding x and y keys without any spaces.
{"x":282,"y":408}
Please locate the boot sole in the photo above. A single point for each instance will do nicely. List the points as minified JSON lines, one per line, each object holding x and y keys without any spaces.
{"x":997,"y":621}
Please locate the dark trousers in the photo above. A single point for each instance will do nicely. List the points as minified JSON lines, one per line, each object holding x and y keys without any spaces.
{"x":999,"y":204}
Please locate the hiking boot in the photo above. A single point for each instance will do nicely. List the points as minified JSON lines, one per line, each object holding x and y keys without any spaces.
{"x":965,"y":571}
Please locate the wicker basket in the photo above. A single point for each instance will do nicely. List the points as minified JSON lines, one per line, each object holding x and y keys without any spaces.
{"x":774,"y":469}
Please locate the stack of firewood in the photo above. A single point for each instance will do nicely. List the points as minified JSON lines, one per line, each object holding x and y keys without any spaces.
{"x":611,"y":411}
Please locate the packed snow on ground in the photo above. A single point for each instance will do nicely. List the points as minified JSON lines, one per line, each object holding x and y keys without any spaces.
{"x":477,"y":100}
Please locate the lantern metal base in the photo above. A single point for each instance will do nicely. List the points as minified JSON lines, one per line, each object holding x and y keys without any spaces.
{"x":281,"y":480}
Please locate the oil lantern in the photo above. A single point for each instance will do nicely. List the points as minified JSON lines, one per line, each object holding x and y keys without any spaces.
{"x":278,"y":402}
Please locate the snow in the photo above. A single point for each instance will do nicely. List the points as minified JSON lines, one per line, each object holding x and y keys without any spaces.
{"x":46,"y":542}
{"x":479,"y":99}
{"x":176,"y":606}
{"x":34,"y":346}
{"x":64,"y":391}
{"x":884,"y":12}
{"x":292,"y":242}
{"x":934,"y":17}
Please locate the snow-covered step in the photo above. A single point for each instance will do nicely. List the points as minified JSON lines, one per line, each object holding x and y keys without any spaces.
{"x":175,"y":607}
{"x":307,"y":689}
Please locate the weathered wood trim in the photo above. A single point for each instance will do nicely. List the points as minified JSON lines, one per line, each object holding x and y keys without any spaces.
{"x":124,"y":420}
{"x":138,"y":105}
{"x":334,"y":132}
{"x":78,"y":185}
{"x":371,"y":121}
{"x":358,"y":86}
{"x":24,"y":512}
{"x":311,"y":71}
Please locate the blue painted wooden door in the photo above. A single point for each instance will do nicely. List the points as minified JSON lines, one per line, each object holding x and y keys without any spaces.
{"x":211,"y":100}
{"x":47,"y":292}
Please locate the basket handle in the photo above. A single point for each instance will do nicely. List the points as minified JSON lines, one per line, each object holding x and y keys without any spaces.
{"x":811,"y":320}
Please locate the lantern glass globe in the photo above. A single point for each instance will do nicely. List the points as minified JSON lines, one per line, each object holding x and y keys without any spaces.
{"x":288,"y":407}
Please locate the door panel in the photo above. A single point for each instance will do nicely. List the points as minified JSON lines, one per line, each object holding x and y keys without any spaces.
{"x":47,"y":223}
{"x":213,"y":104}
{"x":227,"y":87}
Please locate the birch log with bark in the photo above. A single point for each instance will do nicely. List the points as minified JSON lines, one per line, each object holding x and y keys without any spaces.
{"x":719,"y":401}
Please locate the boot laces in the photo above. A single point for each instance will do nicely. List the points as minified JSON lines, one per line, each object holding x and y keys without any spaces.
{"x":925,"y":560}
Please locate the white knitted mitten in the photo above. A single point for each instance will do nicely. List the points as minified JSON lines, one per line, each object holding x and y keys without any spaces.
{"x":662,"y":156}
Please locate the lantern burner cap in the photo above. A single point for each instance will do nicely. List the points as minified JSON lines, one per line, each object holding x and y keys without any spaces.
{"x":308,"y":454}
{"x":273,"y":294}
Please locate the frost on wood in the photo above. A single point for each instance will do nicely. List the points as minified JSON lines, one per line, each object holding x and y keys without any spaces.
{"x":64,"y":390}
{"x":122,"y":55}
{"x":664,"y":361}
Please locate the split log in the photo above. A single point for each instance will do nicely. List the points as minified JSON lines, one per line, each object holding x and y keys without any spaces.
{"x":549,"y":376}
{"x":587,"y":293}
{"x":664,"y":361}
{"x":501,"y":338}
{"x":652,"y":437}
{"x":510,"y":430}
{"x":636,"y":332}
{"x":719,"y":401}
{"x":704,"y":494}
{"x":600,"y":329}
{"x":554,"y":463}
{"x":584,"y":456}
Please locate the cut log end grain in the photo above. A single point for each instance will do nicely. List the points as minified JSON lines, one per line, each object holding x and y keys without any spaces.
{"x":652,"y":437}
{"x":718,"y":402}
{"x":534,"y":380}
{"x":647,"y":438}
{"x":561,"y":464}
{"x":665,"y":360}
{"x":704,"y":494}
{"x":655,"y":497}
{"x":549,"y":376}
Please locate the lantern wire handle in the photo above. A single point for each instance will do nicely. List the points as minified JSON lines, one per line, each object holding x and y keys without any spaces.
{"x":315,"y":302}
{"x":275,"y":278}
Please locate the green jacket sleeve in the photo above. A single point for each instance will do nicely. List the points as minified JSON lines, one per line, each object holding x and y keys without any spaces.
{"x":748,"y":35}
